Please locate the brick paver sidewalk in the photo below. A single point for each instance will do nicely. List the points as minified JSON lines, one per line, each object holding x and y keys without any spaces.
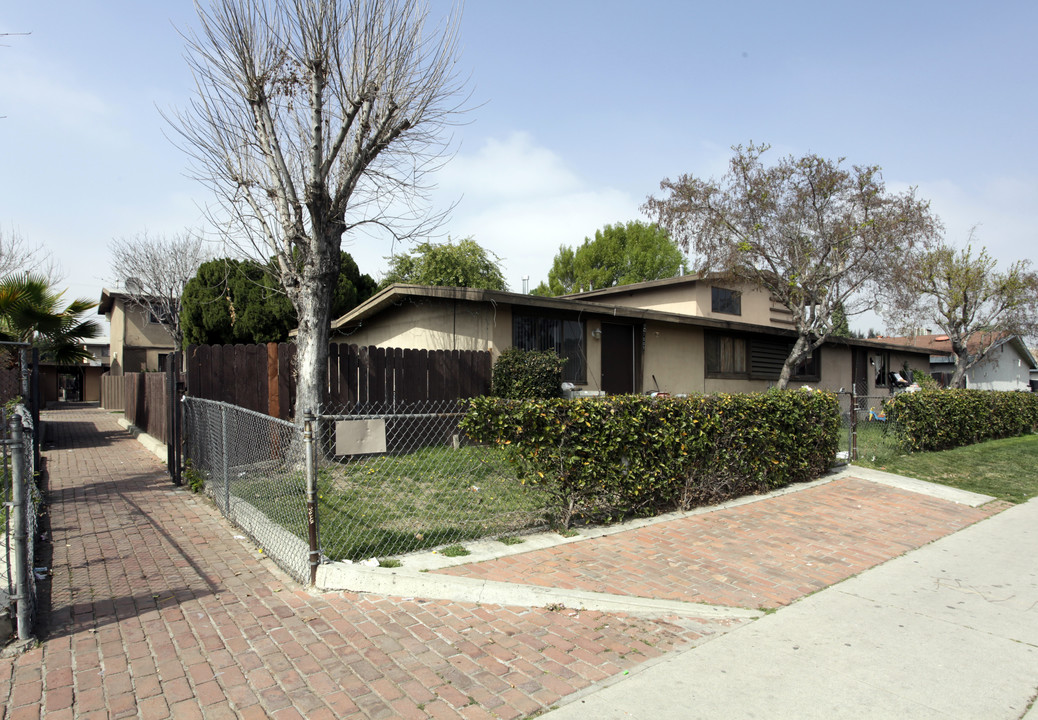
{"x":156,"y":610}
{"x":762,"y":554}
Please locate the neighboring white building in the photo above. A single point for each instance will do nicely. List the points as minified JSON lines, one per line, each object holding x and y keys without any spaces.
{"x":1034,"y":371}
{"x":1007,"y":367}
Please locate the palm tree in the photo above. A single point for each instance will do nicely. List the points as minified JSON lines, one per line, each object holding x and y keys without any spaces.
{"x":31,"y":312}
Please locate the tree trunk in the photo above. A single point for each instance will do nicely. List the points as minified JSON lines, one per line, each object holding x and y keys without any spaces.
{"x":800,"y":350}
{"x":962,"y":361}
{"x":959,"y":374}
{"x":313,"y":310}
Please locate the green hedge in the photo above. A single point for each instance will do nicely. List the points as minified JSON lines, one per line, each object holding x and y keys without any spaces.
{"x":527,"y":374}
{"x":943,"y":419}
{"x":631,"y":454}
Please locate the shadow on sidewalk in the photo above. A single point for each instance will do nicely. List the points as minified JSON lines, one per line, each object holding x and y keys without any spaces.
{"x":59,"y":434}
{"x":83,"y":606}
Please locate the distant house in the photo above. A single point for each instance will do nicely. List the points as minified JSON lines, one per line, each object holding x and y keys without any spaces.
{"x":682,"y":335}
{"x":79,"y":381}
{"x":139,"y":343}
{"x":1007,"y":366}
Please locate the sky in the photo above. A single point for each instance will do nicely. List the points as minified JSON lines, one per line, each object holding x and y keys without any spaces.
{"x":578,"y":111}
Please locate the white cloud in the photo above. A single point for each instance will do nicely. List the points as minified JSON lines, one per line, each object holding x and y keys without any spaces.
{"x":522,"y":201}
{"x":513,"y":167}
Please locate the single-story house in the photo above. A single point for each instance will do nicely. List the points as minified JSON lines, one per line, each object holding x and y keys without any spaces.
{"x":702,"y":344}
{"x":78,"y":382}
{"x":1008,"y":365}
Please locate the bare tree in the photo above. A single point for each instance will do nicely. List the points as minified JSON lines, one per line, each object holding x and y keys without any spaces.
{"x":18,"y":255}
{"x":152,"y":270}
{"x":968,"y":298}
{"x":813,"y":234}
{"x":314,"y":118}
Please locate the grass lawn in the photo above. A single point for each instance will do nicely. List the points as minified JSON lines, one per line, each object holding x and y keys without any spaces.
{"x":1006,"y":469}
{"x":388,"y":505}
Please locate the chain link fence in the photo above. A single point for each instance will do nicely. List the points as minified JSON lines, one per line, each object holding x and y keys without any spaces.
{"x":18,"y":472}
{"x":384,"y":480}
{"x":252,"y":466}
{"x":869,"y":435}
{"x":394,"y":480}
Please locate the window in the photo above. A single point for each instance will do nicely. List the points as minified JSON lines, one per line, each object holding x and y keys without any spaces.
{"x":564,"y":336}
{"x":754,"y":358}
{"x":881,"y":364}
{"x":723,"y":300}
{"x":725,"y":355}
{"x":809,"y":368}
{"x":160,"y":315}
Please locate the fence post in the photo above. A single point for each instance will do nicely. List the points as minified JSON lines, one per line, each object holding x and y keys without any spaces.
{"x":171,"y":425}
{"x":34,"y":405}
{"x":854,"y":422}
{"x":311,"y":493}
{"x":224,"y":461}
{"x":24,"y":362}
{"x":18,"y":529}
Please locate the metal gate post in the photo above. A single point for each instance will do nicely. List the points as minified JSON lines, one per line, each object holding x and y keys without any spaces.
{"x":854,"y":421}
{"x":171,"y":425}
{"x":34,"y":406}
{"x":225,"y":459}
{"x":311,"y":494}
{"x":18,"y":529}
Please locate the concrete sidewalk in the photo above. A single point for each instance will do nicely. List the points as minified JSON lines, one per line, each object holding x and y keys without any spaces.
{"x":947,"y":631}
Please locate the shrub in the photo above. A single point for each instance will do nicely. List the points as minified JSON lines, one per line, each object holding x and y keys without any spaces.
{"x":925,"y":380}
{"x":527,"y":375}
{"x":631,"y":454}
{"x":943,"y":419}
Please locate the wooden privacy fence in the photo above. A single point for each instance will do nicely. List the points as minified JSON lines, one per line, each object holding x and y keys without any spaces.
{"x":113,"y":392}
{"x":262,"y":377}
{"x":147,"y":403}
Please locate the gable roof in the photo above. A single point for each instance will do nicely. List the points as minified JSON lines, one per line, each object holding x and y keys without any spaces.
{"x":399,"y":294}
{"x":640,"y":286}
{"x":941,"y":344}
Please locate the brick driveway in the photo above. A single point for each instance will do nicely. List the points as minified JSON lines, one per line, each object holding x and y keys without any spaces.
{"x":156,"y":610}
{"x":762,"y":554}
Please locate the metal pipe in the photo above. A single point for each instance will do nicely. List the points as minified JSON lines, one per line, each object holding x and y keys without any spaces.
{"x":225,"y":469}
{"x":854,"y":422}
{"x":311,"y":494}
{"x":18,"y":530}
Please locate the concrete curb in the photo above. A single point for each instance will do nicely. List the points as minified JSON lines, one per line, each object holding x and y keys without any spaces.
{"x":942,"y":492}
{"x":150,"y":443}
{"x":411,"y":583}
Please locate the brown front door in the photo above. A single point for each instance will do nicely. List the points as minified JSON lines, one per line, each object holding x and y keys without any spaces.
{"x":617,"y":358}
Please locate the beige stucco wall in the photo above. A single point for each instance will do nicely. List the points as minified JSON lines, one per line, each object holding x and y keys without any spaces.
{"x":135,"y":343}
{"x":141,"y":333}
{"x":674,"y":355}
{"x":696,"y":299}
{"x":437,"y":325}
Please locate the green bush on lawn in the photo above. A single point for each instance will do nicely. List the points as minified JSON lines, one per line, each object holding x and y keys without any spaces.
{"x":943,"y":419}
{"x":633,"y":454}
